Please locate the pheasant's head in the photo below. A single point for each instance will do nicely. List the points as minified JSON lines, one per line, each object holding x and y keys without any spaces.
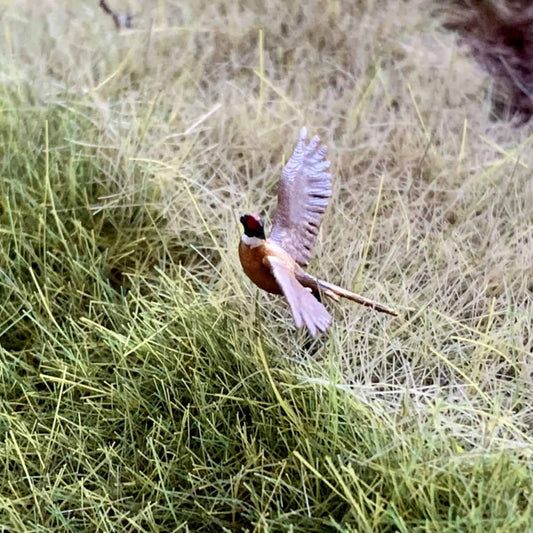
{"x":253,"y":226}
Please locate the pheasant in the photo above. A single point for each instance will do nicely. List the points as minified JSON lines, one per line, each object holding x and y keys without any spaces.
{"x":275,"y":264}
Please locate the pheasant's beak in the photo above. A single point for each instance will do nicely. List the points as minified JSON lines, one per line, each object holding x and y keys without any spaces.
{"x":243,"y":219}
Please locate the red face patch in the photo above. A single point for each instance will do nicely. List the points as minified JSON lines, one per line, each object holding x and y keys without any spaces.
{"x":253,"y":222}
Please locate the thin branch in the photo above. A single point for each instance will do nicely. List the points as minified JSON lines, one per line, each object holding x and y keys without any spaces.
{"x":120,"y":20}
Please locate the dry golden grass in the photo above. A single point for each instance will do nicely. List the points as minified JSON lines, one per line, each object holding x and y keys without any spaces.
{"x":155,"y":140}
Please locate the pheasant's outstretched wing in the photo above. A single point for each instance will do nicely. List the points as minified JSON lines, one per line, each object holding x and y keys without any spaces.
{"x":305,"y":308}
{"x":303,"y":194}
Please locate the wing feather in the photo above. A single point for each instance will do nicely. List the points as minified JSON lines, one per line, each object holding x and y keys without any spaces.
{"x":303,"y":194}
{"x":305,"y":308}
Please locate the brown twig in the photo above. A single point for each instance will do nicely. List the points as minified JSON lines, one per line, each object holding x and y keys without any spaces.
{"x":120,"y":20}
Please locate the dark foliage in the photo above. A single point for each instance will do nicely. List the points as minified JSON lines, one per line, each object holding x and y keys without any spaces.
{"x":499,"y":35}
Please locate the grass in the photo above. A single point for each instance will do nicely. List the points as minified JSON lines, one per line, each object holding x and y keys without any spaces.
{"x":145,"y":385}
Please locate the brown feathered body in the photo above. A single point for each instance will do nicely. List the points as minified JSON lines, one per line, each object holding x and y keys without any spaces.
{"x":499,"y":35}
{"x":255,"y":266}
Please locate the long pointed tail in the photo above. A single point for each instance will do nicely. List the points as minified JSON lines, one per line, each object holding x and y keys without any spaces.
{"x":334,"y":292}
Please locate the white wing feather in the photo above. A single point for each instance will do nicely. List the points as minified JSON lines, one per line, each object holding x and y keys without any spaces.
{"x":305,"y":308}
{"x":303,"y":194}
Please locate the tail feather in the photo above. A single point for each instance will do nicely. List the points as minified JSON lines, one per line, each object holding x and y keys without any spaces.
{"x":334,"y":292}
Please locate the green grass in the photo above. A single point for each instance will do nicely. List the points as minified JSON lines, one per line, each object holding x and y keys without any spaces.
{"x":145,"y":385}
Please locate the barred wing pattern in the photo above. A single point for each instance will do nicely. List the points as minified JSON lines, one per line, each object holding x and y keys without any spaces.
{"x":303,"y":194}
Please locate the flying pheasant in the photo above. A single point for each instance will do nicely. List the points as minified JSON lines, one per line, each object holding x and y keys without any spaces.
{"x":275,"y":264}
